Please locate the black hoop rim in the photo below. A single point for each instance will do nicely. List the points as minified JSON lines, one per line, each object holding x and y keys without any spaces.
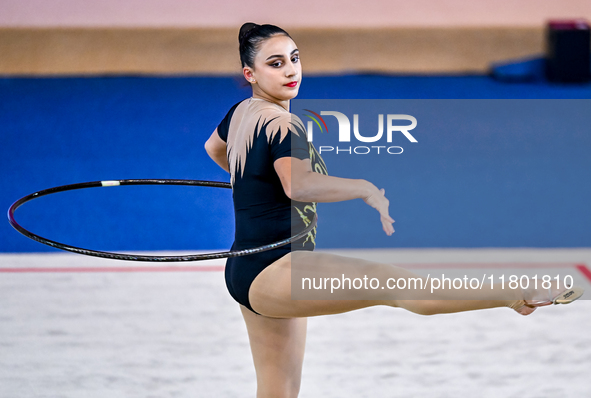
{"x":135,"y":257}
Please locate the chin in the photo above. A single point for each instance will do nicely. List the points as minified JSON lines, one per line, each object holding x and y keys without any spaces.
{"x":292,"y":94}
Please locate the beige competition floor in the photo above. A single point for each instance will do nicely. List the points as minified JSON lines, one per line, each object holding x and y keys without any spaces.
{"x":119,"y":331}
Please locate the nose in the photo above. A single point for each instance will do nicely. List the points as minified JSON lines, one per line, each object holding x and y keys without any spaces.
{"x":290,"y":69}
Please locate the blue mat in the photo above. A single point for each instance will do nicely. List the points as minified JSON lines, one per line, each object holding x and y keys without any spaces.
{"x":57,"y":131}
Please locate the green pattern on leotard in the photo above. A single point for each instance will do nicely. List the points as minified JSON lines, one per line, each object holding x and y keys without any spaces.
{"x":308,"y":211}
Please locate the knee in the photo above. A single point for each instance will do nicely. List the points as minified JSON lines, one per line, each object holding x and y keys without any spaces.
{"x":288,"y":390}
{"x":429,"y":307}
{"x":276,"y":383}
{"x":421,"y":307}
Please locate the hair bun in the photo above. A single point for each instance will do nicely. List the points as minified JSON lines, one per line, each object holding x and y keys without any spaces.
{"x":246,"y":29}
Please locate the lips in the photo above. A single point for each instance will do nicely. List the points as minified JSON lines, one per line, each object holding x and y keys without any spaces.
{"x":292,"y":84}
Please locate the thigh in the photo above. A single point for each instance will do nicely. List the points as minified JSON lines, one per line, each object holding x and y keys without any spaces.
{"x":278,"y":352}
{"x":270,"y":292}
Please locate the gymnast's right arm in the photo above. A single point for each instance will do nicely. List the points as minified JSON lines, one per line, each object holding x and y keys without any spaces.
{"x":216,"y":149}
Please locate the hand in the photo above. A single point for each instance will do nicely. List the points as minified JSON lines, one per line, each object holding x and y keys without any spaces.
{"x":378,"y":201}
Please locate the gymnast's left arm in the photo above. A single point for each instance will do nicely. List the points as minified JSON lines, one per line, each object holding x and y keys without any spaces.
{"x":300,"y":183}
{"x":216,"y":149}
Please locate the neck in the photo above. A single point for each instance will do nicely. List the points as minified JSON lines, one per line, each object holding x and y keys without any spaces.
{"x":284,"y":104}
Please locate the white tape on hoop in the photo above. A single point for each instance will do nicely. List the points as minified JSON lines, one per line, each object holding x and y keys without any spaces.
{"x":110,"y":183}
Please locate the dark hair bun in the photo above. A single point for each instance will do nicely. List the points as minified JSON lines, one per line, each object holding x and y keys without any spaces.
{"x":245,"y":30}
{"x":250,"y":38}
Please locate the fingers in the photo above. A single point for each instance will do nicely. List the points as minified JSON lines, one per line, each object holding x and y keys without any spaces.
{"x":384,"y":211}
{"x":379,"y":202}
{"x":388,"y":228}
{"x":387,"y":225}
{"x":387,"y":221}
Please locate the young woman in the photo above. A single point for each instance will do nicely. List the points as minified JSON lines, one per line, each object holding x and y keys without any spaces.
{"x":277,"y":177}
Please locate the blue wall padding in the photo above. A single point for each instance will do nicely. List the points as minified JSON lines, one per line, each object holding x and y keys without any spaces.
{"x":531,"y":69}
{"x":523,"y":70}
{"x":56,"y":131}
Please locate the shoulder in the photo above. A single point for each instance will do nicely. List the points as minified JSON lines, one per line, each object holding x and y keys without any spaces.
{"x":283,"y":123}
{"x":226,"y":120}
{"x":224,"y":126}
{"x":233,"y":109}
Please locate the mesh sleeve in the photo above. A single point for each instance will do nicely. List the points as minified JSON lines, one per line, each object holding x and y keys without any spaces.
{"x":224,"y":125}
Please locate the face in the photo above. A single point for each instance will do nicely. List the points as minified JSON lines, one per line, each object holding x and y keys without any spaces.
{"x":277,"y":69}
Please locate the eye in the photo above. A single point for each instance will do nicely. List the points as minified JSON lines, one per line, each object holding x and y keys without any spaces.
{"x":276,"y":64}
{"x":295,"y":58}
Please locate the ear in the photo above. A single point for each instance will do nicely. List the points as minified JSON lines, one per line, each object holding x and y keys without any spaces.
{"x":248,"y":74}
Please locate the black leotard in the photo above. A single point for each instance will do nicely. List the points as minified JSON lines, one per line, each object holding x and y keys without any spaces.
{"x":257,"y":133}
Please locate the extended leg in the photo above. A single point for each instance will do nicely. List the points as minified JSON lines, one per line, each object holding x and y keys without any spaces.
{"x":270,"y":293}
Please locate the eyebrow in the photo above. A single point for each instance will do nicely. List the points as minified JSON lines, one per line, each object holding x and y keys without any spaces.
{"x":281,"y":56}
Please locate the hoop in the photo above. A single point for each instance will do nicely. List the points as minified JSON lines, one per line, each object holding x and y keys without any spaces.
{"x":133,"y":257}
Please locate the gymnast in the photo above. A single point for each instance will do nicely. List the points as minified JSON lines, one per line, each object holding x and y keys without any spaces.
{"x":277,"y":178}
